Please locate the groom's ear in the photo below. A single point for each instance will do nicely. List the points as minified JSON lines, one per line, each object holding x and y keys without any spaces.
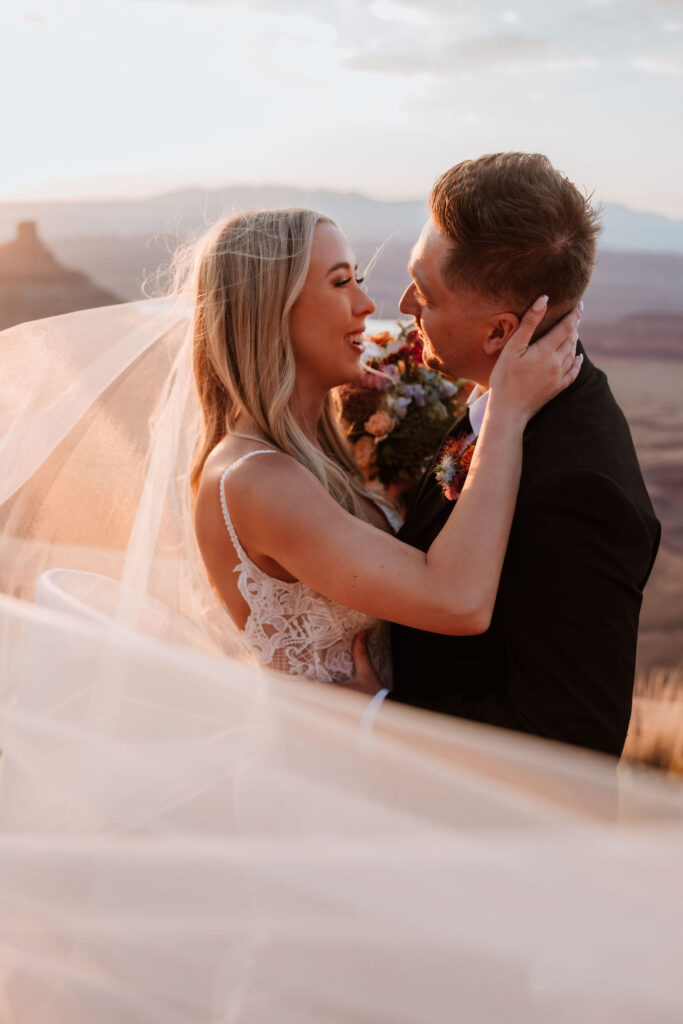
{"x":501,"y":327}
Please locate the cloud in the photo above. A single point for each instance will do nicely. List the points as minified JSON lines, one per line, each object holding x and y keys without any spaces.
{"x":437,"y":8}
{"x":447,"y":38}
{"x":659,"y":65}
{"x":341,"y":12}
{"x":390,"y":10}
{"x":283,"y":7}
{"x":400,"y":57}
{"x":191,"y":3}
{"x":498,"y":52}
{"x":667,"y":5}
{"x":513,"y":52}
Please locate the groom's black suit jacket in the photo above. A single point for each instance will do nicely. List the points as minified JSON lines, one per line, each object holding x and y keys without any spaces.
{"x":559,"y":657}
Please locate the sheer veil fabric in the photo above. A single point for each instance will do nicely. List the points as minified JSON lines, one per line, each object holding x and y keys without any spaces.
{"x":185,"y":839}
{"x":98,"y":418}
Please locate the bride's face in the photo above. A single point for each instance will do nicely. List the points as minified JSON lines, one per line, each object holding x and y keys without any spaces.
{"x":328,"y":319}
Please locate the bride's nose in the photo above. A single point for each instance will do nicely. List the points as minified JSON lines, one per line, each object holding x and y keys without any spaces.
{"x":364,"y":306}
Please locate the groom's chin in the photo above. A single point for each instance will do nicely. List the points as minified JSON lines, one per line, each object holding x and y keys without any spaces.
{"x":431,"y":360}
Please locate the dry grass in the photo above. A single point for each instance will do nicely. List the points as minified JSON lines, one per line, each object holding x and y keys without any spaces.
{"x":649,"y":391}
{"x":655,"y":734}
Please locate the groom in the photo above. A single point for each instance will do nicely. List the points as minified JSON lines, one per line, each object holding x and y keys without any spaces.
{"x":559,"y":657}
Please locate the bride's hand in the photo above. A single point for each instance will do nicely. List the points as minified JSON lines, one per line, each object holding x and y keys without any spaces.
{"x":527,"y":376}
{"x":364,"y":678}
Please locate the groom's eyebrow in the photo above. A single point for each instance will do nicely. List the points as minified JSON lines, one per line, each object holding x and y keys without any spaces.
{"x":416,"y":279}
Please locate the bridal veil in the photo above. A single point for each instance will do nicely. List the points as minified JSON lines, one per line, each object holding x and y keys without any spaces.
{"x":187,"y":840}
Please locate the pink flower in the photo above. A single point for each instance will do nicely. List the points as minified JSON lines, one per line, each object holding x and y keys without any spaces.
{"x":373,"y":380}
{"x":380,"y":425}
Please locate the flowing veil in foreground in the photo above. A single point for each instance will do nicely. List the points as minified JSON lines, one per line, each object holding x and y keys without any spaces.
{"x":187,"y":840}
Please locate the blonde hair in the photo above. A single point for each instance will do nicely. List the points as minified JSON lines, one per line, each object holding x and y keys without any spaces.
{"x":249,"y":271}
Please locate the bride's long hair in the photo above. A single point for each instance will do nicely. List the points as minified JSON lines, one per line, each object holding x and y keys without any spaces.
{"x":248,"y":272}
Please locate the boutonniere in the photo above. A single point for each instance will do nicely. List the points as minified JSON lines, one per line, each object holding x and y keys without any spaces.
{"x":454,"y":464}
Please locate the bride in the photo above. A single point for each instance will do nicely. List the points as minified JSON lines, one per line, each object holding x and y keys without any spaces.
{"x":301,"y":553}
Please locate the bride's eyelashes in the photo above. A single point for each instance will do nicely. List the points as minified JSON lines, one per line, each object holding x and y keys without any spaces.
{"x":348,"y":280}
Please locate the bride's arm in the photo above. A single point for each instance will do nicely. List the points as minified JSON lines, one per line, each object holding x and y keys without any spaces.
{"x":287,"y":515}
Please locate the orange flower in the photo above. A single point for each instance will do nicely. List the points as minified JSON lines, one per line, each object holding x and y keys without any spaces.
{"x":364,"y":453}
{"x":466,"y":458}
{"x":383,"y":338}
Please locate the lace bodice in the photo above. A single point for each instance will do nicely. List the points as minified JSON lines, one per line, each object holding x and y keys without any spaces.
{"x":294,"y":629}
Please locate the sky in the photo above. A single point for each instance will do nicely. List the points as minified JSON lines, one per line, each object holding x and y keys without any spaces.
{"x":105,"y":98}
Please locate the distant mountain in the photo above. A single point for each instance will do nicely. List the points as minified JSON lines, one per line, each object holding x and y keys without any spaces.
{"x":626,"y":230}
{"x":189,"y":212}
{"x":33,"y":284}
{"x":365,"y":219}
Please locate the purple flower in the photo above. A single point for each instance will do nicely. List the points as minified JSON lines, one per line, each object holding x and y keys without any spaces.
{"x":417,"y":393}
{"x":398,"y":406}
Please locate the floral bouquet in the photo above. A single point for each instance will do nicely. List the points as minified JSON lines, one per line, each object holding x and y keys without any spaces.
{"x":397,"y":415}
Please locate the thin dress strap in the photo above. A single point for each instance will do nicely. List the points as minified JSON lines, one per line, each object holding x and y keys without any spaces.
{"x":242,"y":555}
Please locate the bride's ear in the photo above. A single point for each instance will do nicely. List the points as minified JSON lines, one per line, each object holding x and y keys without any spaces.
{"x":501,"y":328}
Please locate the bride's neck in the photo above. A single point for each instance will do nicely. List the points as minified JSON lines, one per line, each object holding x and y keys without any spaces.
{"x":307,"y":407}
{"x":307,"y":404}
{"x":245,"y":426}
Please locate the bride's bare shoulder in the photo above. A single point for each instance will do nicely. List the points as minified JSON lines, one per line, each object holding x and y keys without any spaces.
{"x":251,"y":483}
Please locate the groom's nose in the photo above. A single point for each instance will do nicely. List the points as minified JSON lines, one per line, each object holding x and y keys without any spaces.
{"x":407,"y":302}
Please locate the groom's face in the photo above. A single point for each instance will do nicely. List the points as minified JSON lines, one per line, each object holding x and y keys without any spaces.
{"x":454,"y":324}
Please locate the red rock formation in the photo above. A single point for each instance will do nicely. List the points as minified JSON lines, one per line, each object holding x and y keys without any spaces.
{"x":34,"y":285}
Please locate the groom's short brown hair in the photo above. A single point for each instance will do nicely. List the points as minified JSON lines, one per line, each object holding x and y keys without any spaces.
{"x":519,"y":229}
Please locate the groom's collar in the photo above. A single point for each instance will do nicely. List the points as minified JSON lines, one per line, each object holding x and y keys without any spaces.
{"x":476,"y":407}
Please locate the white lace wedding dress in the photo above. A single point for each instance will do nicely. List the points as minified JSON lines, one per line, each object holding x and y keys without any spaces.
{"x":294,"y":629}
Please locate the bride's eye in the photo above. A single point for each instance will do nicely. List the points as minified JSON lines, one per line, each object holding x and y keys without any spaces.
{"x":347,"y":280}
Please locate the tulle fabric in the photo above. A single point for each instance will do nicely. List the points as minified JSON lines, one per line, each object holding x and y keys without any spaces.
{"x":98,"y":420}
{"x":186,"y":839}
